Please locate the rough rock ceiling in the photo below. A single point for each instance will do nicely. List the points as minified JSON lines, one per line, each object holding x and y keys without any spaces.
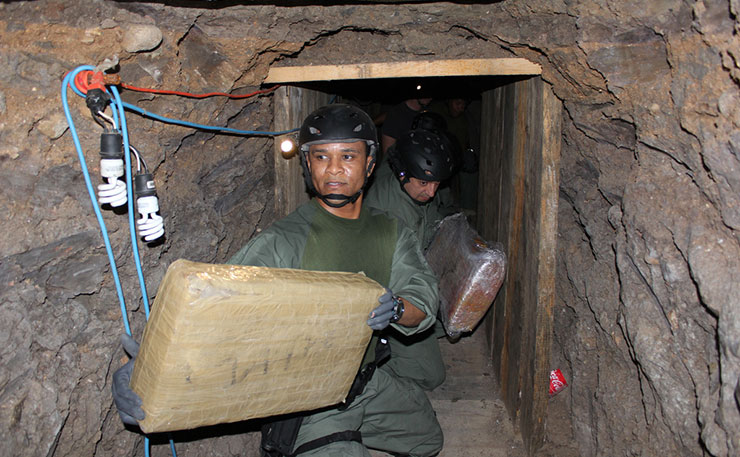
{"x":288,"y":3}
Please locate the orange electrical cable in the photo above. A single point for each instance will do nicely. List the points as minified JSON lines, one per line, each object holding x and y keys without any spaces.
{"x":188,"y":94}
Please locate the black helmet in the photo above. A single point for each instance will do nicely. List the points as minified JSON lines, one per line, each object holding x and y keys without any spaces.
{"x":337,"y":123}
{"x":429,"y":120}
{"x":421,"y":154}
{"x":436,"y":123}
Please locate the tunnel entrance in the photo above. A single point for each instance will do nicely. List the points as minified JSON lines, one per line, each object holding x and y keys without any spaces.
{"x":517,"y":193}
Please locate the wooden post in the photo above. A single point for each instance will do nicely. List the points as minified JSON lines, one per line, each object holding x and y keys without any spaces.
{"x":291,"y":106}
{"x":519,"y":155}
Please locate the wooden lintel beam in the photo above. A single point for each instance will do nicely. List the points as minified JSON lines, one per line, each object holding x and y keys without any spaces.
{"x":409,"y":69}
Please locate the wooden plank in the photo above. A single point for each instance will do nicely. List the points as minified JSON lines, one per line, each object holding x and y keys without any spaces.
{"x":474,"y":418}
{"x":507,"y":144}
{"x":515,"y":323}
{"x":494,"y":221}
{"x":285,"y":116}
{"x":551,"y":115}
{"x":519,"y":156}
{"x":528,"y":350}
{"x":291,"y":105}
{"x":422,"y":68}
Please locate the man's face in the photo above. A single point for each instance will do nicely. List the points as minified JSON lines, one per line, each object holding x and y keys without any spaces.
{"x":421,"y":191}
{"x":457,"y":106}
{"x":338,"y":168}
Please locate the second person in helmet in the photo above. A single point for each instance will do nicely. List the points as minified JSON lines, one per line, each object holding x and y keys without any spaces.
{"x":405,"y":187}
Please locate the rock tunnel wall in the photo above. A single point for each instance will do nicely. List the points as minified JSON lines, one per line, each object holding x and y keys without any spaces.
{"x":647,"y":318}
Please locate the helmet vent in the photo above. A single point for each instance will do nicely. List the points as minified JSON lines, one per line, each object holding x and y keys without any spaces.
{"x":314,"y":131}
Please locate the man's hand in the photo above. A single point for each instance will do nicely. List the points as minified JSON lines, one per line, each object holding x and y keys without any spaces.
{"x":126,"y":400}
{"x":385,"y":312}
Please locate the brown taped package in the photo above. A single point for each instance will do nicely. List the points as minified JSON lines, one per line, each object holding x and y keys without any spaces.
{"x":226,"y":343}
{"x":470,"y":273}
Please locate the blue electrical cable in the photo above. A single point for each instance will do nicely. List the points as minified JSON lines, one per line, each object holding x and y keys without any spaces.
{"x":104,"y":231}
{"x":96,"y":207}
{"x":118,"y":106}
{"x":214,"y":128}
{"x":168,"y":120}
{"x":129,"y":189}
{"x":132,"y":226}
{"x":115,"y":116}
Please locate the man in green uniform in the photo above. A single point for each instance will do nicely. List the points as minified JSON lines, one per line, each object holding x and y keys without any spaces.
{"x":405,"y":187}
{"x":334,"y":231}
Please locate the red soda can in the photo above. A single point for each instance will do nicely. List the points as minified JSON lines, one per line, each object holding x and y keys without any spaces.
{"x":557,"y":382}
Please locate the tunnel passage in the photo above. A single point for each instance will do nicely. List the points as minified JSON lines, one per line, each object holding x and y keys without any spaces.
{"x":517,"y":192}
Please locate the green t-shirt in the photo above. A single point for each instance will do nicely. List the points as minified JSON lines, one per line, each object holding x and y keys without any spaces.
{"x":358,"y":245}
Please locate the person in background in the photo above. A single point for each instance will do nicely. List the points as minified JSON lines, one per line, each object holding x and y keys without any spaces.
{"x":399,"y":120}
{"x":405,"y":187}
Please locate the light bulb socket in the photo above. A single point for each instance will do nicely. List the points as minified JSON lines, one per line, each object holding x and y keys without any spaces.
{"x":111,"y":145}
{"x":144,"y":185}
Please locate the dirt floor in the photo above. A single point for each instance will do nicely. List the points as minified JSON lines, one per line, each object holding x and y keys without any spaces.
{"x":473,"y":417}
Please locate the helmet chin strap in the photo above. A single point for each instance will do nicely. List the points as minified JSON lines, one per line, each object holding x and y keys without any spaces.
{"x":343,"y":199}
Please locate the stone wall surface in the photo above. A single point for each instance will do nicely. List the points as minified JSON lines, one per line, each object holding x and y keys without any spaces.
{"x":647,"y":320}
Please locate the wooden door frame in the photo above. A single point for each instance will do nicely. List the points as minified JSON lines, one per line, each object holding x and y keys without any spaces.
{"x":521,"y":149}
{"x":292,"y":104}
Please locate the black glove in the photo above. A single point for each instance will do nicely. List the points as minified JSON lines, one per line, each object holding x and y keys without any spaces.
{"x":388,"y":311}
{"x":127,"y":402}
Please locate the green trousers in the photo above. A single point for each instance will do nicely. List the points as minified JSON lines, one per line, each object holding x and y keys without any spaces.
{"x":392,"y":414}
{"x":417,"y":358}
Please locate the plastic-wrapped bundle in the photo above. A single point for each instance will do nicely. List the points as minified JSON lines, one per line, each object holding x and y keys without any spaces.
{"x":470,"y":273}
{"x":226,"y":343}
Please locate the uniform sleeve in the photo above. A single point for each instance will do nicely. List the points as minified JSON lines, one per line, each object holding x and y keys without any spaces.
{"x":413,"y":279}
